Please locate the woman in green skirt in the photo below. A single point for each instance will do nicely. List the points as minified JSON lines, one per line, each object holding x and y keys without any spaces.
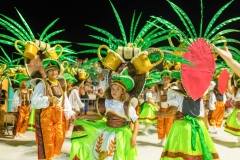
{"x":149,"y":106}
{"x":188,"y":137}
{"x":94,"y":137}
{"x":232,"y":124}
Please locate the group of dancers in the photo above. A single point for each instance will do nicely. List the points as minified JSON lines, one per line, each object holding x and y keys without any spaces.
{"x":186,"y":101}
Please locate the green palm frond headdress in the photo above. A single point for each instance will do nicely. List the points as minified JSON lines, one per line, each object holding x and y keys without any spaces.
{"x":215,"y":35}
{"x":25,"y":35}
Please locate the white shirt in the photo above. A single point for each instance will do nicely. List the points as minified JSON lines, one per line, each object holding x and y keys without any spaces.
{"x":155,"y":97}
{"x":75,"y":100}
{"x":16,"y":101}
{"x":117,"y":107}
{"x":39,"y":100}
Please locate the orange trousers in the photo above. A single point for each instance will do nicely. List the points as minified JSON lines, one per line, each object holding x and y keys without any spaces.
{"x":217,"y":114}
{"x":50,"y":131}
{"x":164,"y":125}
{"x":22,"y":117}
{"x":67,"y":125}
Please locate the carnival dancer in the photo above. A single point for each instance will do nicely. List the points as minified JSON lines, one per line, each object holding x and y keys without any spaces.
{"x":93,"y":138}
{"x":52,"y":107}
{"x":217,"y":106}
{"x":3,"y":98}
{"x":149,"y":106}
{"x":164,"y":124}
{"x":73,"y":96}
{"x":21,"y":105}
{"x":188,"y":114}
{"x":232,"y":124}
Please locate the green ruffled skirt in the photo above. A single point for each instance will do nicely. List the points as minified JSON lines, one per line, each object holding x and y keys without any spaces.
{"x":179,"y":143}
{"x":146,"y":114}
{"x":231,"y":125}
{"x":94,"y":140}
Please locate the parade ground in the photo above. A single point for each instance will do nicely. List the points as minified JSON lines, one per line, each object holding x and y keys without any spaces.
{"x":148,"y":149}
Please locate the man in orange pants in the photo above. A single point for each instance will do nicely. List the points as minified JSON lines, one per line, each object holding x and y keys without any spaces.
{"x":164,"y":124}
{"x":52,"y":108}
{"x":21,"y":105}
{"x":217,"y":105}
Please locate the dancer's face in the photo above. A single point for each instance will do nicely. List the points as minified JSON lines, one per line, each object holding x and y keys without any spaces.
{"x":24,"y":84}
{"x":69,"y":84}
{"x":52,"y":74}
{"x":166,"y":79}
{"x":116,"y":92}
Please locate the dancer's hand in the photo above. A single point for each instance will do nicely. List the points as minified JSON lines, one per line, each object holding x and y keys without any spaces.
{"x":73,"y":117}
{"x":133,"y":142}
{"x":53,"y":100}
{"x":224,"y":53}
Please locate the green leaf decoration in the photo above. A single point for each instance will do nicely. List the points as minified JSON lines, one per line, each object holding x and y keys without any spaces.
{"x":170,"y":48}
{"x":17,"y":53}
{"x":228,"y":40}
{"x":170,"y":57}
{"x":136,"y":25}
{"x":222,"y":33}
{"x":201,"y":23}
{"x":215,"y":17}
{"x":151,"y":37}
{"x":185,"y":19}
{"x":7,"y":42}
{"x":12,"y":29}
{"x":156,"y":40}
{"x":144,"y":30}
{"x":222,"y":25}
{"x":52,"y":34}
{"x":5,"y":54}
{"x":89,"y":44}
{"x":119,"y":23}
{"x":26,"y":25}
{"x":8,"y":37}
{"x":151,"y":33}
{"x":47,"y":28}
{"x":100,"y":38}
{"x":58,"y":42}
{"x":21,"y":32}
{"x":234,"y":49}
{"x":92,"y":51}
{"x":106,"y":33}
{"x":168,"y":25}
{"x":131,"y":28}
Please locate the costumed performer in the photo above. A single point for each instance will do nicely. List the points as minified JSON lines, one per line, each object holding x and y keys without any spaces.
{"x":21,"y":104}
{"x":52,"y":107}
{"x":164,"y":124}
{"x":73,"y":96}
{"x":217,"y":106}
{"x":149,"y":106}
{"x":194,"y":142}
{"x":94,"y":138}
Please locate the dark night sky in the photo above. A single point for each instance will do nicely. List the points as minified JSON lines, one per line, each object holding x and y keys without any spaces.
{"x":74,"y":14}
